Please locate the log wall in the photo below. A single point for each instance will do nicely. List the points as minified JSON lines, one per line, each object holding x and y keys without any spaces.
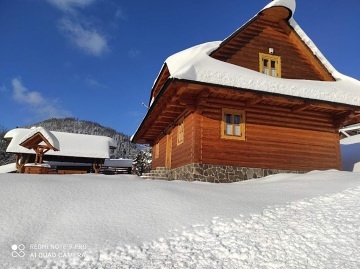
{"x":275,"y":139}
{"x":160,"y":161}
{"x":185,"y":153}
{"x":297,"y":62}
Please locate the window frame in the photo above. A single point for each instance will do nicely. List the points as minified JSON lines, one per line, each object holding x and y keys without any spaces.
{"x":270,"y":57}
{"x":157,"y":150}
{"x":241,"y":124}
{"x":180,"y":132}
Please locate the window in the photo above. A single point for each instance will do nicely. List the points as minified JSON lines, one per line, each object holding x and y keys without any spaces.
{"x":180,"y":133}
{"x":233,"y":124}
{"x":270,"y":65}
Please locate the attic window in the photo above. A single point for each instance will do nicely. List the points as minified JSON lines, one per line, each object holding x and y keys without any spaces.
{"x":270,"y":65}
{"x":233,"y":124}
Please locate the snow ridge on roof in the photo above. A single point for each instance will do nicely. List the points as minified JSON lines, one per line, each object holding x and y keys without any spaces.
{"x":311,"y":45}
{"x":49,"y":136}
{"x":290,"y":4}
{"x":307,"y":40}
{"x":195,"y":64}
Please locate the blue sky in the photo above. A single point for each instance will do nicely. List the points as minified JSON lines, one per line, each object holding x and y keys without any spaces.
{"x":97,"y":59}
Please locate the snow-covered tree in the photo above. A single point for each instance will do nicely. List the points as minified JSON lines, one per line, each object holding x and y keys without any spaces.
{"x":5,"y":158}
{"x":143,"y":161}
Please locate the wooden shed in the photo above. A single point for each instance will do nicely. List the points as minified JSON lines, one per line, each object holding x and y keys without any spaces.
{"x":63,"y":152}
{"x":263,"y":101}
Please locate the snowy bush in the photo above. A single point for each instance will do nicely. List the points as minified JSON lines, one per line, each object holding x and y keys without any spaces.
{"x":143,"y":161}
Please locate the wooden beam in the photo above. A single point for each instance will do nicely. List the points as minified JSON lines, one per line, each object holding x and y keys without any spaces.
{"x":302,"y":107}
{"x":341,"y":119}
{"x":187,"y":101}
{"x":353,"y":120}
{"x":202,"y":97}
{"x":254,"y":101}
{"x":165,"y":117}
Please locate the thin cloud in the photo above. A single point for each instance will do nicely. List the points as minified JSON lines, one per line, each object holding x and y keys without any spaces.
{"x":70,"y":5}
{"x":95,"y":84}
{"x":80,"y":33}
{"x":134,"y":53}
{"x":120,"y":14}
{"x":88,"y":40}
{"x":34,"y":100}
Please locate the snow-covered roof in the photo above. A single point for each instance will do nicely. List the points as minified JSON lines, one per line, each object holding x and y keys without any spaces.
{"x":49,"y":136}
{"x":350,"y":130}
{"x":71,"y":145}
{"x":290,"y":4}
{"x":195,"y":64}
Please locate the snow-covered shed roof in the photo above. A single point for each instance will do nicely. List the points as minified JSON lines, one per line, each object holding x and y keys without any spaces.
{"x":196,"y":64}
{"x":70,"y":145}
{"x":46,"y":137}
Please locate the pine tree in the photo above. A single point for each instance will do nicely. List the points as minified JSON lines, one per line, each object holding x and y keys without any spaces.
{"x":143,"y":161}
{"x":5,"y":158}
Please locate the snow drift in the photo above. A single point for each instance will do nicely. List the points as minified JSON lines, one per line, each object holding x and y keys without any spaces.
{"x":122,"y":221}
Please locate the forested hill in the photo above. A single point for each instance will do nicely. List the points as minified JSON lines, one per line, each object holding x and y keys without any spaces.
{"x":124,"y":149}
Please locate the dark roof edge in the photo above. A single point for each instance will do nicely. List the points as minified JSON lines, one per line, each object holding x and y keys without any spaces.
{"x":152,"y":105}
{"x":228,"y":39}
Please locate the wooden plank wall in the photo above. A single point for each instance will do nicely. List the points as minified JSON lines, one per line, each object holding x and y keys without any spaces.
{"x":275,"y":138}
{"x":184,"y":153}
{"x":160,"y":161}
{"x":262,"y":35}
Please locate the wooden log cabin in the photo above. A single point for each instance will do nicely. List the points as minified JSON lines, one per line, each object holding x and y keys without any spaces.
{"x":263,"y":101}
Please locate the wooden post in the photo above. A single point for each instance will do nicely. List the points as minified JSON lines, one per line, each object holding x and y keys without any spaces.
{"x":21,"y":161}
{"x":97,"y":166}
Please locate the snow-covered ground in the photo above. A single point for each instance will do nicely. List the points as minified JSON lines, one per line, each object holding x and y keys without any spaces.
{"x":8,"y":168}
{"x":122,"y":221}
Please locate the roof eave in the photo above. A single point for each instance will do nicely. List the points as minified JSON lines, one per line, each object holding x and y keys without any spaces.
{"x":135,"y":138}
{"x":266,"y":93}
